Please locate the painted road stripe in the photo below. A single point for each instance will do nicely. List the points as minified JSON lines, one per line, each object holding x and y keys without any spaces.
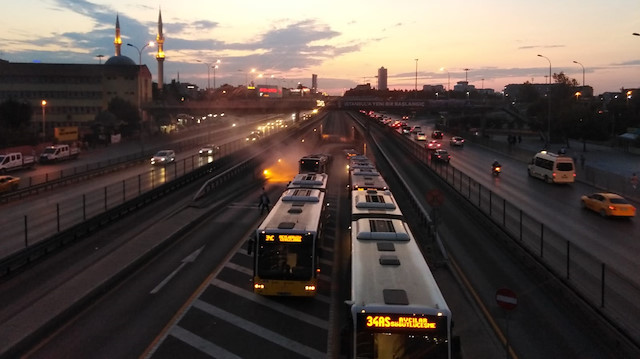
{"x":260,"y":331}
{"x":201,"y":344}
{"x":241,"y":269}
{"x":323,"y":324}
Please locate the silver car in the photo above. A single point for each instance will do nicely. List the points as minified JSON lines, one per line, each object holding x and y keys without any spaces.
{"x":456,"y":141}
{"x":163,"y":157}
{"x":208,"y":150}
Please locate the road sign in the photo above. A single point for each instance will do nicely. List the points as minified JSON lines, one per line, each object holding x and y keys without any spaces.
{"x":506,"y":298}
{"x":435,"y":197}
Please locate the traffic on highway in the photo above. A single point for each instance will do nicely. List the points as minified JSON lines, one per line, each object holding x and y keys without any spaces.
{"x":193,"y":293}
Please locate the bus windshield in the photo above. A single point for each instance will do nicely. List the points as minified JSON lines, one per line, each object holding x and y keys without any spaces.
{"x":397,"y":335}
{"x":400,"y":346}
{"x":309,"y":166}
{"x":292,"y":261}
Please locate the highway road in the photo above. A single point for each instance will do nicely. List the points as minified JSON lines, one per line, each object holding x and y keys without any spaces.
{"x":194,"y":297}
{"x":35,"y":217}
{"x":612,"y":241}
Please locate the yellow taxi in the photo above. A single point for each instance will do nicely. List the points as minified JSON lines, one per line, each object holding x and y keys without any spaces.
{"x":9,"y":183}
{"x":608,"y":205}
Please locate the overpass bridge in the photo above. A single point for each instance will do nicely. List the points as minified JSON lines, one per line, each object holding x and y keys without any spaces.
{"x":416,"y":105}
{"x":256,"y":105}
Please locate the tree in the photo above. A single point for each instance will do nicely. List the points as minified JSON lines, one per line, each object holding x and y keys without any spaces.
{"x":126,"y":114}
{"x":14,"y":114}
{"x":15,"y":119}
{"x":563,"y":79}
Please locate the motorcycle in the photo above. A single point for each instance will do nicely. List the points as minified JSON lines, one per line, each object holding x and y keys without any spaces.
{"x":496,"y":170}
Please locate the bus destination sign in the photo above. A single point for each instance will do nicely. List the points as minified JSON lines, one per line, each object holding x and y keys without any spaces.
{"x":283,"y":238}
{"x":401,"y":322}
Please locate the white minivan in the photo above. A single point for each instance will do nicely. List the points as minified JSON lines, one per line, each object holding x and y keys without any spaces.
{"x":552,"y":167}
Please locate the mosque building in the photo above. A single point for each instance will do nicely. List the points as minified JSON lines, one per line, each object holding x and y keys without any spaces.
{"x":76,"y":93}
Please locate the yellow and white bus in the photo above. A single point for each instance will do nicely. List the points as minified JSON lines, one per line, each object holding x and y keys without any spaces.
{"x":285,"y":246}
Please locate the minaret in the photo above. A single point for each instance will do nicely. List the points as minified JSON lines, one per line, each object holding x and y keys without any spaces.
{"x":160,"y":54}
{"x":118,"y":40}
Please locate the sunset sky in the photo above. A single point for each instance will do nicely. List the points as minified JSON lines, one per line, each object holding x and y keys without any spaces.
{"x":343,"y":42}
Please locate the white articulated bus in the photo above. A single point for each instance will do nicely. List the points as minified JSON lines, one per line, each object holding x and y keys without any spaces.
{"x":317,"y":163}
{"x":309,"y":180}
{"x":397,"y":309}
{"x":364,"y":179}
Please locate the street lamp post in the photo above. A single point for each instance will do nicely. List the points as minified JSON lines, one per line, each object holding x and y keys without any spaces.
{"x":214,"y":75}
{"x":549,"y":103}
{"x":576,"y":62}
{"x":150,"y":43}
{"x":416,"y":85}
{"x":44,"y":103}
{"x":208,"y":73}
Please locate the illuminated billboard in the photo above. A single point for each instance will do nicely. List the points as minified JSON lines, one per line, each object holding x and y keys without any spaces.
{"x":269,"y":91}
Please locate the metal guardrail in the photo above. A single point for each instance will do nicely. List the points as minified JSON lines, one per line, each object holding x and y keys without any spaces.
{"x":50,"y":180}
{"x":88,"y":212}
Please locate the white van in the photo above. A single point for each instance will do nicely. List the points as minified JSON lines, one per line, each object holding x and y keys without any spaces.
{"x":552,"y":167}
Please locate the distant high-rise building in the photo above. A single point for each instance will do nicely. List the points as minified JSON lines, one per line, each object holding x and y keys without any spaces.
{"x":382,"y":79}
{"x":314,"y":83}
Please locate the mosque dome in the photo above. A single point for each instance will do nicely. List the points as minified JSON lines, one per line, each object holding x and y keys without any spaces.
{"x":119,"y":60}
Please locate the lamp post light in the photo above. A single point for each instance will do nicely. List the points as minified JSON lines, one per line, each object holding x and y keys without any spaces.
{"x":43,"y":103}
{"x":416,"y":84}
{"x":466,"y":73}
{"x":549,"y":103}
{"x":150,"y":43}
{"x":576,"y":62}
{"x":214,"y":73}
{"x":549,"y":66}
{"x":100,"y":56}
{"x":208,"y":73}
